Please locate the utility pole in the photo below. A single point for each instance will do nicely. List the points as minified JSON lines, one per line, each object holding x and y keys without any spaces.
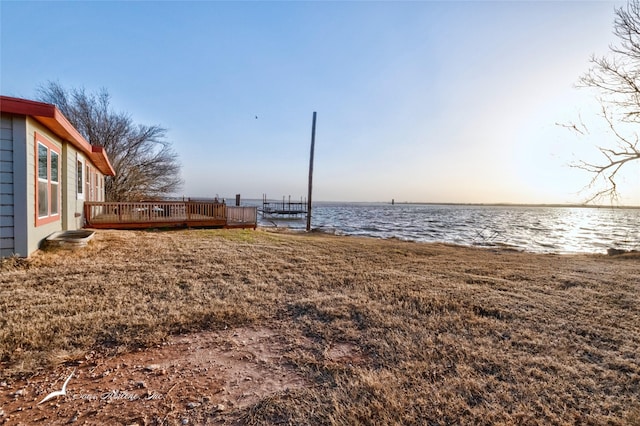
{"x":313,"y":142}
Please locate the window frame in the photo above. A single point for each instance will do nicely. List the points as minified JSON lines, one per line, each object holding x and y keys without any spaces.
{"x":90,"y":187}
{"x":80,"y":173}
{"x":41,"y":140}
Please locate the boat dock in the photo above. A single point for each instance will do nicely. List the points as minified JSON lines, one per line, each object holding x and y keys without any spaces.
{"x":285,"y":209}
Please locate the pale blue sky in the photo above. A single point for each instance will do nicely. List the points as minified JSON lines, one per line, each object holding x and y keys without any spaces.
{"x":416,"y":101}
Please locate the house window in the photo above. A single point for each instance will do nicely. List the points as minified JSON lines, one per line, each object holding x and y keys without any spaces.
{"x":87,"y":174}
{"x":80,"y":178}
{"x":100,"y":187}
{"x":54,"y":185}
{"x":43,"y":180}
{"x":48,"y":182}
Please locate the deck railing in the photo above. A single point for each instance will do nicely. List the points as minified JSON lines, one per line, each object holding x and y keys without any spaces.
{"x":166,"y":213}
{"x":237,"y":215}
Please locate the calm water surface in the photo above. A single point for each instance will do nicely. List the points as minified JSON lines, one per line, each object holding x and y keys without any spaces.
{"x":535,"y":229}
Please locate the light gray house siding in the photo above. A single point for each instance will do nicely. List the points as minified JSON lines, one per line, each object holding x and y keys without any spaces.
{"x":7,"y":232}
{"x":73,"y":205}
{"x":13,"y":200}
{"x":20,"y":196}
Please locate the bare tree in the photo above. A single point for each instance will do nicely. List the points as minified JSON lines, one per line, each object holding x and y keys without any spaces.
{"x":145,"y":164}
{"x":616,"y":77}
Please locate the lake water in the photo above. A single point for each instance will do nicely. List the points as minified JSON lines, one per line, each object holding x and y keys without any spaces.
{"x":535,"y":229}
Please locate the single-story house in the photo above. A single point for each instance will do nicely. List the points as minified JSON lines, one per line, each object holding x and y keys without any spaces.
{"x":47,"y":172}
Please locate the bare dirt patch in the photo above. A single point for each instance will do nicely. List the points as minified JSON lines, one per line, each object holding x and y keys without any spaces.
{"x":192,"y":379}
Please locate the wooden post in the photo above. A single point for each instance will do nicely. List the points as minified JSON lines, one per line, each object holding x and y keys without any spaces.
{"x":313,"y":142}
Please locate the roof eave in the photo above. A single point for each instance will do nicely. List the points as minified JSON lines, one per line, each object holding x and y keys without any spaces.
{"x":51,"y":117}
{"x":100,"y":159}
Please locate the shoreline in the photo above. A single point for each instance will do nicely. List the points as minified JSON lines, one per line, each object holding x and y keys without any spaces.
{"x":611,"y":251}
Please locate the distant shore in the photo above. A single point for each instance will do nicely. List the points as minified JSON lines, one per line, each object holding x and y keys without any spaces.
{"x":425,"y":203}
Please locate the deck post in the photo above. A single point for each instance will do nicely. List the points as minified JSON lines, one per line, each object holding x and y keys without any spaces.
{"x":313,"y":142}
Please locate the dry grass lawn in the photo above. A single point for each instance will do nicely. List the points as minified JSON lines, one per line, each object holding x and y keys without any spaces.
{"x":444,"y":334}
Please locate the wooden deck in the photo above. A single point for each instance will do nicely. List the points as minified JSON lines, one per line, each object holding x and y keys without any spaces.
{"x":168,"y":214}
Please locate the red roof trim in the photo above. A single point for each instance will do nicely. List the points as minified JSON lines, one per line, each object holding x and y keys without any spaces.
{"x":51,"y":117}
{"x":26,"y":107}
{"x":99,"y":157}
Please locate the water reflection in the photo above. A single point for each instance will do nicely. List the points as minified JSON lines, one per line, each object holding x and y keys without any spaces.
{"x":536,"y":229}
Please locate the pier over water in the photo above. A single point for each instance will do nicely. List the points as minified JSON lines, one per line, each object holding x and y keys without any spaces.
{"x":285,"y":209}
